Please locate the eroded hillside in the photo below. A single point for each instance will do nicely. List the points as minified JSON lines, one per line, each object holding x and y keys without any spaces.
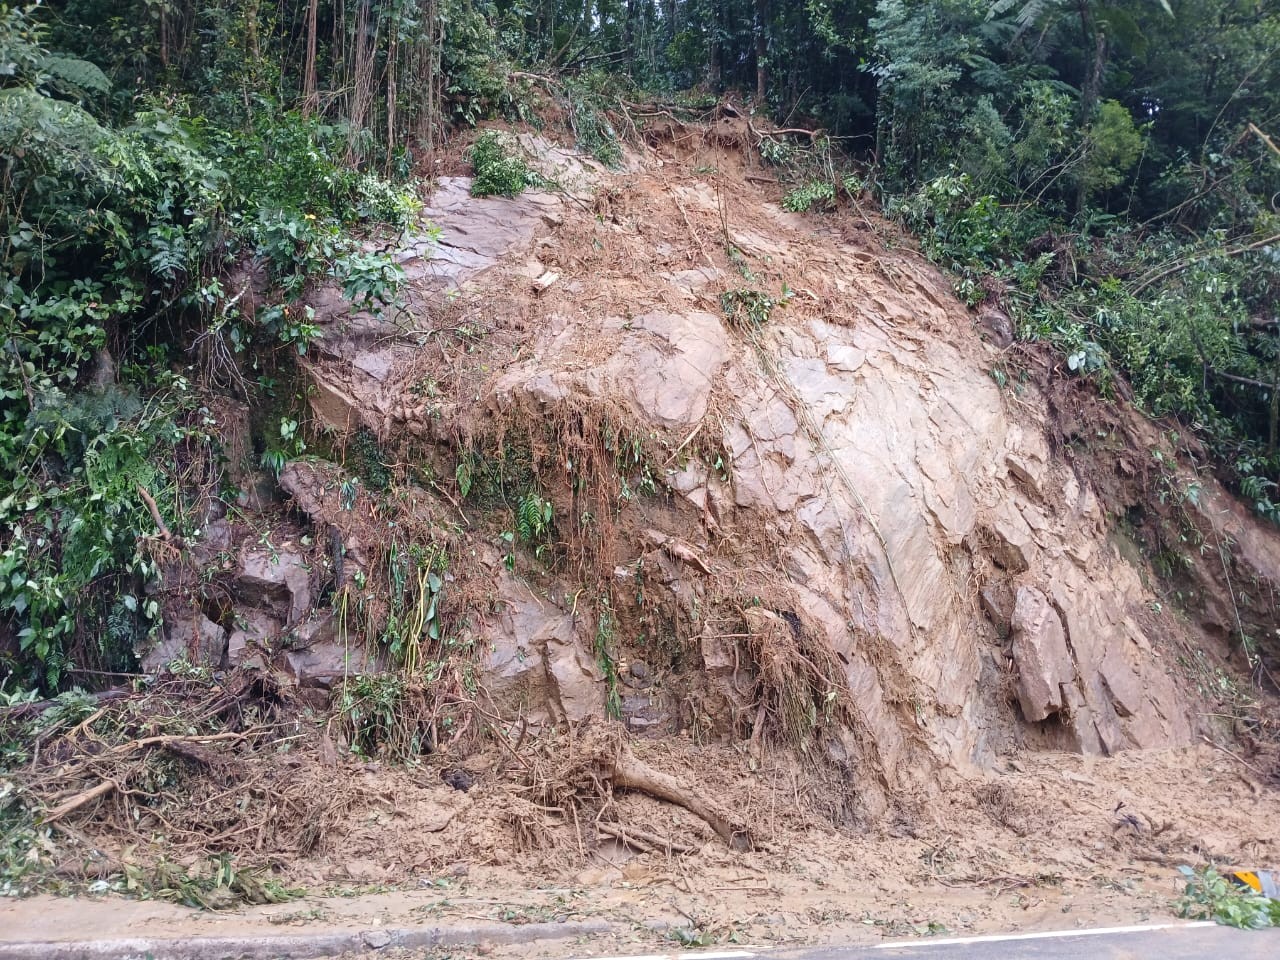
{"x":641,"y":451}
{"x":777,"y":452}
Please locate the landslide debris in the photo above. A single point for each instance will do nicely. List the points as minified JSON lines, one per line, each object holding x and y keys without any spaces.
{"x":645,"y":453}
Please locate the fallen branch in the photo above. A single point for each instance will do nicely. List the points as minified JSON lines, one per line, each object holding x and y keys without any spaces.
{"x":784,"y":132}
{"x":643,"y":840}
{"x":37,"y":707}
{"x":1265,"y":139}
{"x":792,"y":131}
{"x":165,"y":533}
{"x":1192,"y":261}
{"x":79,"y":800}
{"x":1234,"y":756}
{"x":166,"y":739}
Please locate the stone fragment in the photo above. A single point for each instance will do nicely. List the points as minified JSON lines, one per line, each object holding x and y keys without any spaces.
{"x":276,"y":579}
{"x":996,"y":597}
{"x":1041,"y":655}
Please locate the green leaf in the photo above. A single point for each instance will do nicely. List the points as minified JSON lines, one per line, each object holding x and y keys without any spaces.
{"x":80,"y":74}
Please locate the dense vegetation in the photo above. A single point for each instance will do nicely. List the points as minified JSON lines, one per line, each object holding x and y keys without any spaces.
{"x":1101,"y":170}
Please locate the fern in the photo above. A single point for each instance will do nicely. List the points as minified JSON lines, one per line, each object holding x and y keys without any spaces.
{"x":73,"y":77}
{"x":533,"y":518}
{"x":465,"y":476}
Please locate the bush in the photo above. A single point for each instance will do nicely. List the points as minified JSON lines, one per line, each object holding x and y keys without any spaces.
{"x":498,"y":170}
{"x":108,"y":233}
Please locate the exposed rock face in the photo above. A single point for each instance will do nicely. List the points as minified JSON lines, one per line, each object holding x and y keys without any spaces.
{"x":537,"y":665}
{"x":851,"y":461}
{"x":885,"y":464}
{"x":360,"y":354}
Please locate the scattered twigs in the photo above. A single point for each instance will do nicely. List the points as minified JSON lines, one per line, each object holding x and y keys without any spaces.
{"x":1002,"y":884}
{"x":643,"y":840}
{"x":1235,"y":756}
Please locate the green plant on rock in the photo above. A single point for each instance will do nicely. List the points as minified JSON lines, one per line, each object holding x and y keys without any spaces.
{"x":415,"y":578}
{"x":605,"y":629}
{"x":535,"y":522}
{"x":751,"y":309}
{"x":590,"y":121}
{"x":499,"y":170}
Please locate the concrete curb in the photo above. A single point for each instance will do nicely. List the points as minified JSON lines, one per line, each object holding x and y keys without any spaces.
{"x":302,"y":945}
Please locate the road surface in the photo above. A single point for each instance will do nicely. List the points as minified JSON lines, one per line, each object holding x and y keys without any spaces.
{"x":1186,"y":941}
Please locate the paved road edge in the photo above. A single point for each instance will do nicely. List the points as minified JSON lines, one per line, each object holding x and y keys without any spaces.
{"x":301,"y":945}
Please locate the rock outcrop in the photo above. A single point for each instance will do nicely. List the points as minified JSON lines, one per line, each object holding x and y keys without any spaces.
{"x":844,"y":460}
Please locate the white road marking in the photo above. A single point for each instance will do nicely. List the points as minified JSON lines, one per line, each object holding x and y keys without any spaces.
{"x":710,"y":955}
{"x":1043,"y":935}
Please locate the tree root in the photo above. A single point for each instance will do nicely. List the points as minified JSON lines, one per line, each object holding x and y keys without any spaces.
{"x":643,"y":840}
{"x":628,"y":772}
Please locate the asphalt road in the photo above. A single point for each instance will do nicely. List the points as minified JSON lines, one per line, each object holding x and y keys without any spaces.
{"x":1197,"y":941}
{"x":1210,"y":942}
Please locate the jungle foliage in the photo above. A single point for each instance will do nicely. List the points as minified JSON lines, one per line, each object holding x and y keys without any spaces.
{"x":1104,"y":170}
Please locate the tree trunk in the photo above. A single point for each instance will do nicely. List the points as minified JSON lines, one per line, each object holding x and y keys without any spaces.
{"x":393,"y":55}
{"x":1089,"y":90}
{"x":310,"y":93}
{"x":714,"y":69}
{"x":762,"y":52}
{"x":629,"y":33}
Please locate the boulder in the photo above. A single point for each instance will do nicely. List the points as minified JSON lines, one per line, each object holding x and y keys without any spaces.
{"x":252,"y":629}
{"x":537,"y":665}
{"x":187,"y":635}
{"x":276,"y":580}
{"x":213,"y":540}
{"x":319,"y":657}
{"x":1041,"y":655}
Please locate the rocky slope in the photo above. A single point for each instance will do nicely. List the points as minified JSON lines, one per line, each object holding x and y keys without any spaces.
{"x":797,"y":492}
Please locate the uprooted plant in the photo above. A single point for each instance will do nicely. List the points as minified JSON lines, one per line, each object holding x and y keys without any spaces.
{"x":132,"y":783}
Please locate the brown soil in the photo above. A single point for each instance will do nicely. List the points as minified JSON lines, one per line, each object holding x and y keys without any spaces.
{"x":1046,"y":842}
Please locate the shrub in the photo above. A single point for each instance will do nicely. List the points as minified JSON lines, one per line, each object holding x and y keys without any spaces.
{"x":498,"y":170}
